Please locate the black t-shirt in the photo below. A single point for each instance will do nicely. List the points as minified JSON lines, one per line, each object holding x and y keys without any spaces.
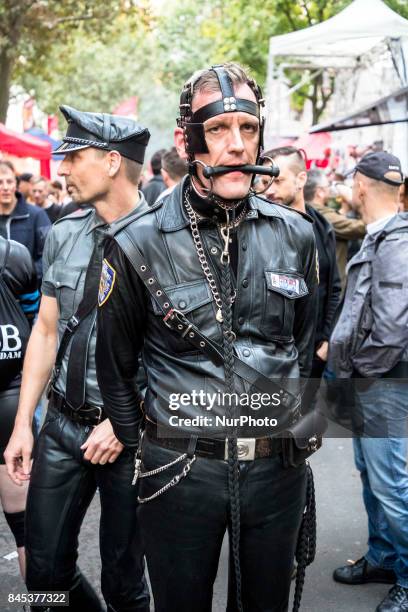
{"x":70,"y":207}
{"x":53,"y":212}
{"x":3,"y":225}
{"x":329,"y":280}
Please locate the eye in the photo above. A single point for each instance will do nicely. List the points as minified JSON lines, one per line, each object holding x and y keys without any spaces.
{"x":215,"y":129}
{"x":250,"y":128}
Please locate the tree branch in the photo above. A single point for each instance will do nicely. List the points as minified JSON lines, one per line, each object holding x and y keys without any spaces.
{"x":286,"y":11}
{"x":72,"y":19}
{"x":320,"y":12}
{"x":308,"y":16}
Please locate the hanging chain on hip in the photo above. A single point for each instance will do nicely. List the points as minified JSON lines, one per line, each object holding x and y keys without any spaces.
{"x":172,"y":483}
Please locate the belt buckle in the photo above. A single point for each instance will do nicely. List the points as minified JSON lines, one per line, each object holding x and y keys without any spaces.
{"x":93,"y":408}
{"x":245,"y":448}
{"x":99,"y":416}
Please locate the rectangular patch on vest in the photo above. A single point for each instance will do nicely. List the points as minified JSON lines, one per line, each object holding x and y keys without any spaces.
{"x":285,"y":283}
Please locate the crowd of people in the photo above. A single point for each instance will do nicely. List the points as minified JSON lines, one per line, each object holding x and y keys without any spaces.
{"x":218,"y":276}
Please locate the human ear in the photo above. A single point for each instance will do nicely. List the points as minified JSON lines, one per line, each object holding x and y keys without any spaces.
{"x":301,"y":180}
{"x":114,"y":160}
{"x":179,"y":143}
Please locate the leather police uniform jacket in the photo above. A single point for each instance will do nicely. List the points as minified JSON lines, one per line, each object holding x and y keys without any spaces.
{"x":273,"y":313}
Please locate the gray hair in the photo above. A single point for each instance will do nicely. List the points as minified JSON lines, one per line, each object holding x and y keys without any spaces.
{"x":315,"y":179}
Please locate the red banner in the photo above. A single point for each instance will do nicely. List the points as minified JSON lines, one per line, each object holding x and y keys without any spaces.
{"x":127,"y":107}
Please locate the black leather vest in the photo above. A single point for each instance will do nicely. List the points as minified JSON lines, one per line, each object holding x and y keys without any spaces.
{"x":273,"y":315}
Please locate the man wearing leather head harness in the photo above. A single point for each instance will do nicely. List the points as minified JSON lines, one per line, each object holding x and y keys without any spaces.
{"x":217,"y":289}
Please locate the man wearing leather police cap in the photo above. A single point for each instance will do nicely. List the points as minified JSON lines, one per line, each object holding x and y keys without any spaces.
{"x":77,"y":451}
{"x":216,"y":287}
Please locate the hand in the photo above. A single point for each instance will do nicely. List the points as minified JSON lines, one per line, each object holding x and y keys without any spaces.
{"x":18,"y":454}
{"x":322,"y":351}
{"x":102,"y":446}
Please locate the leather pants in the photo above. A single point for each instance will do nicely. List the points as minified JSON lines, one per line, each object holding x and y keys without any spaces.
{"x":183,"y":530}
{"x":62,"y":486}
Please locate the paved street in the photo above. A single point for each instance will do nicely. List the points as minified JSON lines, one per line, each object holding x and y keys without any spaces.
{"x":342,"y":534}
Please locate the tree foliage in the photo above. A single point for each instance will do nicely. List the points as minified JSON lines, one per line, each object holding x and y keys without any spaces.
{"x":29,"y":29}
{"x":93,"y":54}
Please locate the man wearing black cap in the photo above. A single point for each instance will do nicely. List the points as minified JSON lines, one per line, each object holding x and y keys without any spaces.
{"x":77,"y":451}
{"x":370,"y":343}
{"x":217,"y":287}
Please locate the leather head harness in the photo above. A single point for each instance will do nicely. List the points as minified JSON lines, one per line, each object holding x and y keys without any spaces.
{"x":192,"y":123}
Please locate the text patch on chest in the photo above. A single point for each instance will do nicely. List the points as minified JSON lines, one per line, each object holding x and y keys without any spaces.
{"x":285,"y":283}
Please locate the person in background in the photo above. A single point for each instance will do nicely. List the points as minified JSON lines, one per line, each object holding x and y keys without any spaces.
{"x":25,"y":186}
{"x":42,"y":199}
{"x":17,"y":271}
{"x":288,"y":189}
{"x":156,"y":185}
{"x":404,"y":196}
{"x":57,"y":192}
{"x":370,"y":344}
{"x":317,"y":194}
{"x":174,"y":168}
{"x":344,"y":197}
{"x":19,"y":221}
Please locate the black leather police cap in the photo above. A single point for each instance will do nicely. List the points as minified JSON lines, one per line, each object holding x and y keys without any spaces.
{"x":102,"y":131}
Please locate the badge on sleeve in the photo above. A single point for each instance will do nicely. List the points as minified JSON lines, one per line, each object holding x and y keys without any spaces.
{"x":106,"y":283}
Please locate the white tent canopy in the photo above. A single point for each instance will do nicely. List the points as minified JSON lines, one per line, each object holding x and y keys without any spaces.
{"x":389,"y":109}
{"x":343,"y":38}
{"x":365,"y":47}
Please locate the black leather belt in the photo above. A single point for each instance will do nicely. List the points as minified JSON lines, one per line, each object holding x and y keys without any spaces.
{"x":86,"y":415}
{"x":211,"y":448}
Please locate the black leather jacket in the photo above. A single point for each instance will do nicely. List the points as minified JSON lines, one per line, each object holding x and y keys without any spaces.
{"x":273,"y":318}
{"x":19,"y":272}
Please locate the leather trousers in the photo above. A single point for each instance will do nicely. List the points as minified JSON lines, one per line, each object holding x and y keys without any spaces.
{"x":183,"y":530}
{"x":62,"y":486}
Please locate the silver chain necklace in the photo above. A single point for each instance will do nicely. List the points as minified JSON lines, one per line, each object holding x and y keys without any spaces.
{"x":225,"y":232}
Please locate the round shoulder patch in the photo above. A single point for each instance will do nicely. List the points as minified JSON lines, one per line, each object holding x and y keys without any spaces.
{"x":108,"y":276}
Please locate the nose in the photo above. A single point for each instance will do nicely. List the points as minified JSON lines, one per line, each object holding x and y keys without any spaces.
{"x":236,"y":143}
{"x":271,"y":192}
{"x":63,"y":168}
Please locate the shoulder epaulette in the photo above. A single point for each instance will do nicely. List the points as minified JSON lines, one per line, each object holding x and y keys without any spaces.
{"x":302,"y":214}
{"x":77,"y":214}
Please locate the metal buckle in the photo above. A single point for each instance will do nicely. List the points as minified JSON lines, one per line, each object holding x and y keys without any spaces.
{"x":72,"y":323}
{"x":245,"y":447}
{"x":172,"y":312}
{"x":98,"y":418}
{"x":313,"y":444}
